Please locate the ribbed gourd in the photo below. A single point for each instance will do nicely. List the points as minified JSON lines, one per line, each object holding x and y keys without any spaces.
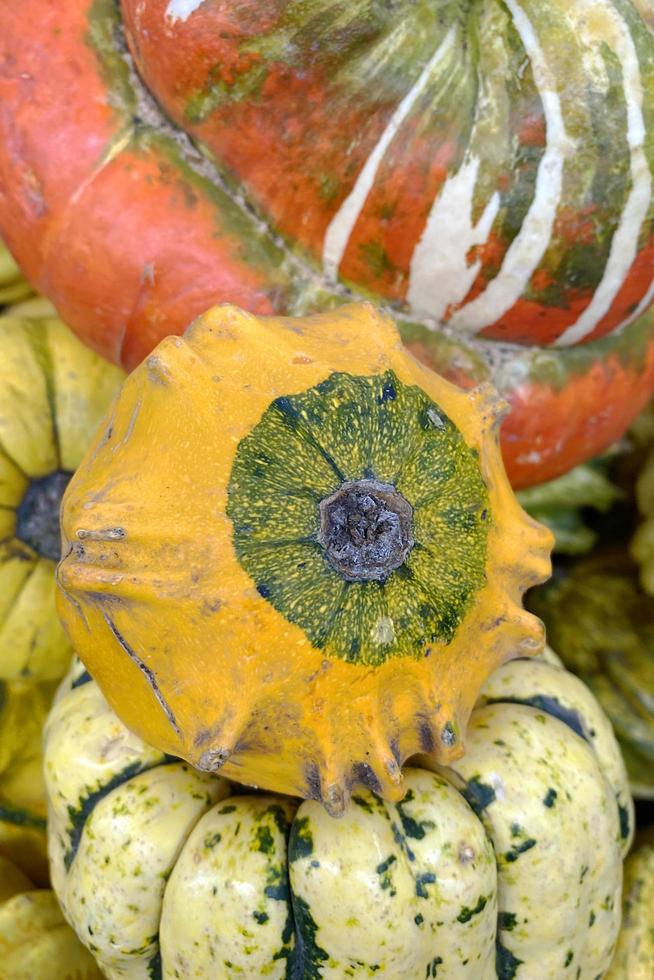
{"x":602,"y":625}
{"x":53,"y":393}
{"x":292,"y":553}
{"x":507,"y":863}
{"x":484,"y":168}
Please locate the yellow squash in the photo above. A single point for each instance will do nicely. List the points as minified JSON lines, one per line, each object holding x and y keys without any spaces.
{"x":293,"y":553}
{"x":35,"y":941}
{"x":506,"y":864}
{"x":23,"y":709}
{"x":53,"y":393}
{"x":634,"y":955}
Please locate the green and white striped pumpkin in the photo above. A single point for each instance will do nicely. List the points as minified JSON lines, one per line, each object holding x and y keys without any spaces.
{"x":509,"y":864}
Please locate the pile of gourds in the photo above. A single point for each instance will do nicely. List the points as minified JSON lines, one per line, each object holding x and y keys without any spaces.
{"x":164,"y":868}
{"x":275,"y":699}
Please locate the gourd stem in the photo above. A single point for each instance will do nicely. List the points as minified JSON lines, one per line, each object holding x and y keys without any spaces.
{"x":366,"y":529}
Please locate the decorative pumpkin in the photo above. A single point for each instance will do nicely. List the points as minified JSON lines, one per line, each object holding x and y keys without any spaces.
{"x":53,"y":392}
{"x":634,"y":956}
{"x":602,"y":626}
{"x":293,"y":553}
{"x":23,"y":709}
{"x":509,"y":860}
{"x":485,"y":170}
{"x":35,"y":942}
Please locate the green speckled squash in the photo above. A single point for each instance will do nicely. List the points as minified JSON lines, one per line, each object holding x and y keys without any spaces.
{"x":53,"y":393}
{"x":634,"y":956}
{"x":507,"y":864}
{"x":602,"y":625}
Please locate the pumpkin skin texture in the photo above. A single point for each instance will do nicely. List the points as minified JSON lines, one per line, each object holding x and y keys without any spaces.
{"x":208,"y":585}
{"x":510,"y":860}
{"x":484,"y":169}
{"x":53,"y":393}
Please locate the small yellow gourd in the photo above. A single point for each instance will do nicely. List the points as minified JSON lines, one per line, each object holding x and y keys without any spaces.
{"x":53,"y":393}
{"x":293,"y":553}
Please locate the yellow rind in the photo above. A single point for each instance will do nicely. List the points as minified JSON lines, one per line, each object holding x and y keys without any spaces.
{"x":296,"y":722}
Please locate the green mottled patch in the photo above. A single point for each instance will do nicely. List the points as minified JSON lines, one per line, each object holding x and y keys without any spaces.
{"x":466,"y":914}
{"x":265,"y":842}
{"x":362,"y":802}
{"x":155,"y":968}
{"x":625,"y":821}
{"x":519,"y":849}
{"x":506,"y":964}
{"x":411,"y":827}
{"x":432,"y":968}
{"x":550,"y":798}
{"x":308,"y":955}
{"x":507,"y":921}
{"x":385,"y":876}
{"x":422,"y":880}
{"x":479,"y":795}
{"x":300,"y":843}
{"x":348,"y":429}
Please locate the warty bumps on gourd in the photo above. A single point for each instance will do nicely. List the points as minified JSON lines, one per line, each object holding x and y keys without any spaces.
{"x":292,"y":553}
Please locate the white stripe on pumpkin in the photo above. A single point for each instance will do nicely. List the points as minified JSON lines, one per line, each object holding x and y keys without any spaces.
{"x":342,"y":224}
{"x":624,"y":246}
{"x":528,"y":247}
{"x":440,"y":273}
{"x":182,"y":9}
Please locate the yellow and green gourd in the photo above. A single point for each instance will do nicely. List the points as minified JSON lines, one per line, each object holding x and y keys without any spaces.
{"x":53,"y":392}
{"x":35,"y":941}
{"x":508,"y":863}
{"x":634,"y":956}
{"x":293,"y":554}
{"x":23,"y":709}
{"x":601,"y":624}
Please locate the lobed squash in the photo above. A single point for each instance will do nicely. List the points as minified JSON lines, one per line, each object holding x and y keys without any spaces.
{"x":53,"y":393}
{"x":23,"y":709}
{"x":634,"y":956}
{"x":602,"y":626}
{"x":507,"y":863}
{"x":292,"y":553}
{"x":35,"y":941}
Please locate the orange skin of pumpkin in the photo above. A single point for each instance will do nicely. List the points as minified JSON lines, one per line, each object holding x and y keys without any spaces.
{"x":129,"y":251}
